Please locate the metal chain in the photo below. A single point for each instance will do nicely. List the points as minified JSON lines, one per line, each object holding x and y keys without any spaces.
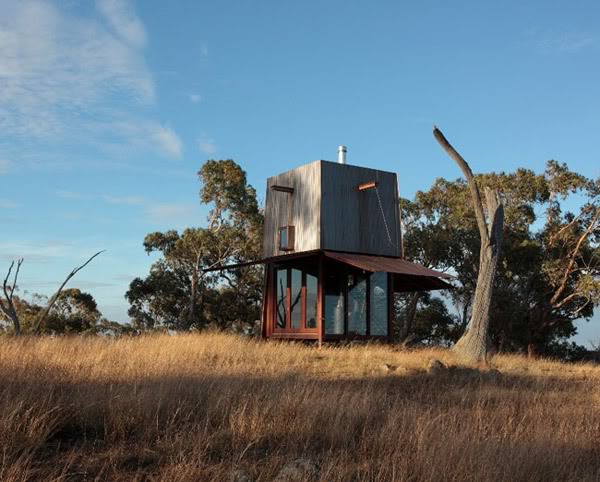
{"x":387,"y":230}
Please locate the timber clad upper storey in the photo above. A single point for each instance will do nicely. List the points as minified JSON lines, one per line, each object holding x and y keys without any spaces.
{"x":319,"y":206}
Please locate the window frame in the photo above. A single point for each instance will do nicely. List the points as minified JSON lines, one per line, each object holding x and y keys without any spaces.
{"x":288,"y":301}
{"x":289,"y":236}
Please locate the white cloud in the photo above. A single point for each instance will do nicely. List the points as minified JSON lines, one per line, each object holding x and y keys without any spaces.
{"x":81,"y":284}
{"x":70,"y":195}
{"x":5,"y":166}
{"x":53,"y":67}
{"x":7,"y":204}
{"x":67,"y":77}
{"x":34,"y":252}
{"x":119,"y":200}
{"x":207,"y":145}
{"x":195,"y":98}
{"x":160,"y":213}
{"x":123,"y":20}
{"x":166,"y":139}
{"x":563,"y":42}
{"x":128,"y":200}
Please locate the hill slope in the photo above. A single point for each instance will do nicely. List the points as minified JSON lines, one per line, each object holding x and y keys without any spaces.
{"x":195,"y":407}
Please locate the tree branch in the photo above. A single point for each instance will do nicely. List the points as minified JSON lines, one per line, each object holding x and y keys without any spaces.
{"x":4,"y":288}
{"x":9,"y":309}
{"x":556,"y":235}
{"x":475,"y":194}
{"x":44,"y":314}
{"x":570,"y":266}
{"x":14,"y":285}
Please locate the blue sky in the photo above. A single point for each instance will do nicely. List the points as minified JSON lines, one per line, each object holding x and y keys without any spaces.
{"x":108,"y":108}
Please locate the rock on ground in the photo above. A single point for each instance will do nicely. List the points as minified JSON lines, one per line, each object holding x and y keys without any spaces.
{"x":299,"y":470}
{"x":435,"y":366}
{"x":240,"y":475}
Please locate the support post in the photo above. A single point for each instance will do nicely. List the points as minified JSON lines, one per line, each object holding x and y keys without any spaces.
{"x":390,"y":334}
{"x":320,"y":301}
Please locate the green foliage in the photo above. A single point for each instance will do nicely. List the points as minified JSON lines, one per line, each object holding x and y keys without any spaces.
{"x":159,"y":299}
{"x":74,"y":313}
{"x":433,"y":323}
{"x":549,"y":271}
{"x":178,"y":293}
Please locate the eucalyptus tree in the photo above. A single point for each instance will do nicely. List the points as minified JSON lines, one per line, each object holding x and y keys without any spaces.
{"x":549,"y":269}
{"x":233,"y":234}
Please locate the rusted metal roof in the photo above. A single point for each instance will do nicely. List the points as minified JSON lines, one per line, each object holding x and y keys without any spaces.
{"x":384,"y":263}
{"x":408,"y":276}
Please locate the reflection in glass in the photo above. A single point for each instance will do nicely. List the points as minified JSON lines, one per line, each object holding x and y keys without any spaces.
{"x":311,"y":301}
{"x":281,"y":279}
{"x":334,"y":304}
{"x":379,"y":304}
{"x":357,"y":304}
{"x":283,"y":238}
{"x":296,"y":299}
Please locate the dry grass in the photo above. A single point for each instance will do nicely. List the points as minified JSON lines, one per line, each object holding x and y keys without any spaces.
{"x":194,"y":407}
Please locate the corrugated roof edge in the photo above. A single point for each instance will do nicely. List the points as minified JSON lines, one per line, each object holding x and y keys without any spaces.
{"x":390,"y":264}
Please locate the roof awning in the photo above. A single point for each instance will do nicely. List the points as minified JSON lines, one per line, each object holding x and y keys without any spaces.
{"x":384,"y":263}
{"x":407,"y":276}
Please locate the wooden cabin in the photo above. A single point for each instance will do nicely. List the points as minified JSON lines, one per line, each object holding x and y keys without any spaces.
{"x":332,"y":250}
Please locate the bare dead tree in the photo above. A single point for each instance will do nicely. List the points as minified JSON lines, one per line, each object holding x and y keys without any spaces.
{"x":42,"y":316}
{"x":473,"y":345}
{"x":7,"y":306}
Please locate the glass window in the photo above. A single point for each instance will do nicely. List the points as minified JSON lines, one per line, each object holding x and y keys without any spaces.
{"x":311,"y":301}
{"x":379,"y":304}
{"x":283,"y":238}
{"x":281,"y":307}
{"x":357,"y":304}
{"x":296,"y":299}
{"x":334,"y":304}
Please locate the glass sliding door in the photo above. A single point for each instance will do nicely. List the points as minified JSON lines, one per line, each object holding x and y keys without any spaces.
{"x":296,"y":299}
{"x":334,"y":303}
{"x":281,"y":305}
{"x":311,"y":301}
{"x":378,"y":304}
{"x":357,"y":304}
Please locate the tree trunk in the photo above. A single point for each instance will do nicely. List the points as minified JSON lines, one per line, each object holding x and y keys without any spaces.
{"x":474,"y":343}
{"x":411,"y":313}
{"x":8,"y":307}
{"x":192,"y":304}
{"x":14,"y":318}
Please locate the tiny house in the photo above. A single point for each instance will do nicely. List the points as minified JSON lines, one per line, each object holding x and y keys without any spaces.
{"x":332,"y":250}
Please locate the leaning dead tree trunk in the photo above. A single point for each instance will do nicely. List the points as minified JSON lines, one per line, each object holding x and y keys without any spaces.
{"x":42,"y":317}
{"x":473,"y":345}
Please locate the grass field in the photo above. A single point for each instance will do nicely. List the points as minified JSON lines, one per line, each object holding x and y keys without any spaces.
{"x":195,"y":407}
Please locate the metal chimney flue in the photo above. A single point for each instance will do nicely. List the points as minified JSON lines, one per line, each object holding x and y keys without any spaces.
{"x":342,"y":154}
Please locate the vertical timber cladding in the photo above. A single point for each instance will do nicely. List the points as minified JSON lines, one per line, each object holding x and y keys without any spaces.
{"x":303,"y":212}
{"x":352,"y":220}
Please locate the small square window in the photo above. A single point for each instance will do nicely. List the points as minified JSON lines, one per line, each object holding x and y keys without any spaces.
{"x":286,"y":238}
